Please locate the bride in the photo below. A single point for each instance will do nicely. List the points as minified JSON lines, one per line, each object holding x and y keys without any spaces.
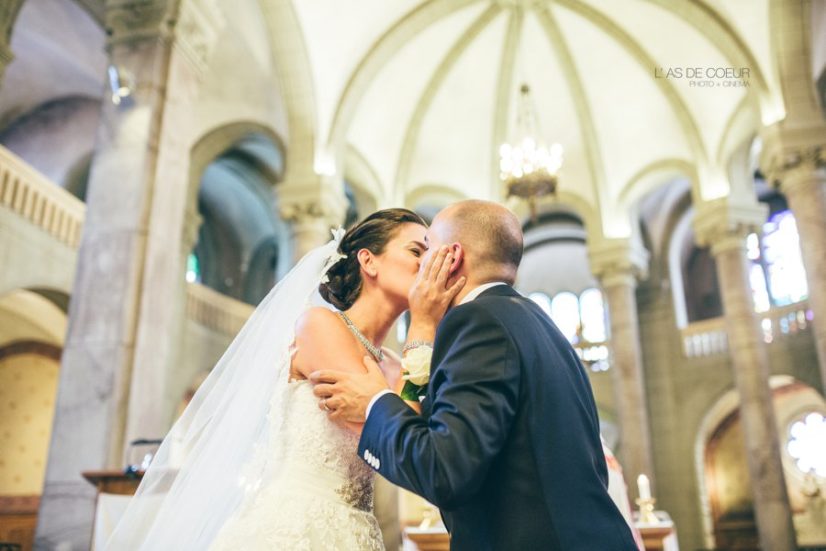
{"x":253,"y":463}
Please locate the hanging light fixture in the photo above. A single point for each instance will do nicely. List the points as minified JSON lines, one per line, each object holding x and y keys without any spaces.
{"x":527,"y":166}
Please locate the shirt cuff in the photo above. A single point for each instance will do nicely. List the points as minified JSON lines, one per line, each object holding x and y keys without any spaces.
{"x":374,"y":399}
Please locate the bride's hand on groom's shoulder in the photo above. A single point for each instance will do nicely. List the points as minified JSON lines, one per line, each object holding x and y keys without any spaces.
{"x":432,"y":293}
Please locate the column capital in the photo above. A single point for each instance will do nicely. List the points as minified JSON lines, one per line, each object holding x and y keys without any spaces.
{"x":6,"y":55}
{"x":192,"y":26}
{"x":130,"y":21}
{"x":199,"y":24}
{"x":618,"y":260}
{"x":789,"y":155}
{"x":9,"y":9}
{"x":314,"y":199}
{"x":722,"y":224}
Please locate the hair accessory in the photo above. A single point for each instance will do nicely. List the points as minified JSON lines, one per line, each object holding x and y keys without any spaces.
{"x":336,"y":255}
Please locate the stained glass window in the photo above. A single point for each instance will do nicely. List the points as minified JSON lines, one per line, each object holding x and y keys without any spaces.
{"x":543,"y":301}
{"x":193,"y":269}
{"x":582,"y":321}
{"x":807,"y":444}
{"x":565,"y":313}
{"x":592,"y":315}
{"x":777,"y":275}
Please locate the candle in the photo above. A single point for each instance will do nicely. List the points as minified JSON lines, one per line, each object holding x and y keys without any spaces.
{"x":644,"y":487}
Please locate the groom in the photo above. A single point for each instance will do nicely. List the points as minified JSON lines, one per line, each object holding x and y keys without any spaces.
{"x":507,"y":444}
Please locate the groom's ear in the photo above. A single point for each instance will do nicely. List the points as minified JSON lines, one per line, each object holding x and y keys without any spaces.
{"x":458,"y":257}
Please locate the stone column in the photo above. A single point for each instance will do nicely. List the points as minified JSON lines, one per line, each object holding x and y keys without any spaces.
{"x":118,"y":345}
{"x":618,"y":263}
{"x":802,"y":179}
{"x":312,"y":206}
{"x":8,"y":15}
{"x":724,"y":228}
{"x":178,"y":378}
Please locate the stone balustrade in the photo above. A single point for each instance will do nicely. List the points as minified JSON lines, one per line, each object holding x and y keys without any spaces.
{"x":215,"y":310}
{"x":708,"y":337}
{"x":33,"y":196}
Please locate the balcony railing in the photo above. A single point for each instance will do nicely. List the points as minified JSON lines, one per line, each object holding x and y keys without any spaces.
{"x":33,"y":196}
{"x":709,"y":338}
{"x":214,"y":310}
{"x":705,"y":338}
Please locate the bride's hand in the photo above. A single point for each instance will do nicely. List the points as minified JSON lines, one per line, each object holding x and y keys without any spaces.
{"x":430,"y":295}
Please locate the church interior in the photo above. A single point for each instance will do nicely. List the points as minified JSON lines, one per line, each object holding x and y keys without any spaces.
{"x":163,"y":163}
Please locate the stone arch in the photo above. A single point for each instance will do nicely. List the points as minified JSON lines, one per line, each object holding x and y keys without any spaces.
{"x":432,"y":195}
{"x":653,"y":176}
{"x":217,"y":140}
{"x":789,"y":397}
{"x":361,"y":175}
{"x":292,"y":64}
{"x":55,"y":136}
{"x":230,"y":208}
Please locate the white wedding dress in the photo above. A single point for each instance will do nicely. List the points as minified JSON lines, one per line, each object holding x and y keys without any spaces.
{"x":320,"y":498}
{"x":253,"y":463}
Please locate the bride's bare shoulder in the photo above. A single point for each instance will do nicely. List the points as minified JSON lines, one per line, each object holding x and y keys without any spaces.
{"x":322,"y":340}
{"x":319,"y":325}
{"x":317,"y":314}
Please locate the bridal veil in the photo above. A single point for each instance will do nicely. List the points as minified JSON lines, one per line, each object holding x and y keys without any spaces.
{"x":213,"y":454}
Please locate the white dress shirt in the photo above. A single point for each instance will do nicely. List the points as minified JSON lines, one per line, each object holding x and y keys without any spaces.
{"x":475,"y":292}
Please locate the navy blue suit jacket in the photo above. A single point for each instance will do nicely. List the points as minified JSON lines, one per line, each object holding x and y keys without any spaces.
{"x":507,"y":444}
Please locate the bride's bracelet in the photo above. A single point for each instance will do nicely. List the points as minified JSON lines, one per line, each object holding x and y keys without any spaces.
{"x":415,"y":344}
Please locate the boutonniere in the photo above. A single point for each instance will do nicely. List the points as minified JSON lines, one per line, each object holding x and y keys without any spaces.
{"x":416,"y":372}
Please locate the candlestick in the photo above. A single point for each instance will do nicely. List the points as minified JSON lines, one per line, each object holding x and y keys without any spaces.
{"x":644,"y":487}
{"x":647,"y":515}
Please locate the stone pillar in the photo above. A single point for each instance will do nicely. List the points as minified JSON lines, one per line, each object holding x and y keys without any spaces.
{"x":312,"y":206}
{"x":8,"y":15}
{"x":618,"y":263}
{"x":118,"y":345}
{"x":178,"y":379}
{"x":802,"y":179}
{"x":724,"y":228}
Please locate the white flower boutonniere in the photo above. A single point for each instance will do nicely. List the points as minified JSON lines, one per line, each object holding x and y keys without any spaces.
{"x":416,"y":372}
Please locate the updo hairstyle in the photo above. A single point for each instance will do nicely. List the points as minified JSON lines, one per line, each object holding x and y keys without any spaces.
{"x":373,"y":233}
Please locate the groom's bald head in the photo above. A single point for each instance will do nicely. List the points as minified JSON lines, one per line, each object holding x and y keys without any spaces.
{"x":489,"y":233}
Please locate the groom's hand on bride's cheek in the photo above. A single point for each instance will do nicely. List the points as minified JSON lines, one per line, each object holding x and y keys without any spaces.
{"x":346,"y":395}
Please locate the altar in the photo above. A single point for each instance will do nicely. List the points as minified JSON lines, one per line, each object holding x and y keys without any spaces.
{"x":114,"y":490}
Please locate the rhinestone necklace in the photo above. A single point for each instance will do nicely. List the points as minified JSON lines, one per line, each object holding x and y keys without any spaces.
{"x":375,"y":351}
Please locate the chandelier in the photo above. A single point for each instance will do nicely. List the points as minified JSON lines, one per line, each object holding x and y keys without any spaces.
{"x":527,"y":167}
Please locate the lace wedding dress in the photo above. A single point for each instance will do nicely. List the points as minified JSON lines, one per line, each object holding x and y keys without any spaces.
{"x":322,"y":495}
{"x":253,"y":463}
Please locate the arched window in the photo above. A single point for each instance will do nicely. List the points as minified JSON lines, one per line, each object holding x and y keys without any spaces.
{"x":592,"y":314}
{"x":565,"y":313}
{"x":543,"y":301}
{"x":807,"y":443}
{"x":193,"y":269}
{"x":582,"y":321}
{"x":777,"y":275}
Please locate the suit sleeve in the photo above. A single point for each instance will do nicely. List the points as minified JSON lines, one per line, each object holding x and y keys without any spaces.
{"x":474,"y":392}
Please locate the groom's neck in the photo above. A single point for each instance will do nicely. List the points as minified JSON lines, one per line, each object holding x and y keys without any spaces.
{"x":468,"y":288}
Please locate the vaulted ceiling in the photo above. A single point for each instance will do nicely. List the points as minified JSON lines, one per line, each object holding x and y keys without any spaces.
{"x":416,"y":96}
{"x":424,"y":91}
